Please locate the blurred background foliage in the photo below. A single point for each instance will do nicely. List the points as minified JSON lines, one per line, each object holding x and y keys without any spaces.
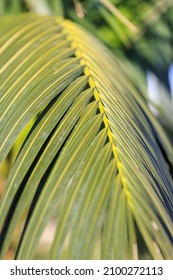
{"x":138,"y":32}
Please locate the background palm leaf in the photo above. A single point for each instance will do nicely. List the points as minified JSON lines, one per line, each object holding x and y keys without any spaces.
{"x":95,"y":158}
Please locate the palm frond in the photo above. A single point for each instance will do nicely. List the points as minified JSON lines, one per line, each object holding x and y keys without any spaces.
{"x":95,"y":158}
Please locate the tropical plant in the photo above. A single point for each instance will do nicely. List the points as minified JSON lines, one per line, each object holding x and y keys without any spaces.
{"x":94,"y":158}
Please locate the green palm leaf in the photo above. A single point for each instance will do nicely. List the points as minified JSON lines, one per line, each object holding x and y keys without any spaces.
{"x":95,"y":158}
